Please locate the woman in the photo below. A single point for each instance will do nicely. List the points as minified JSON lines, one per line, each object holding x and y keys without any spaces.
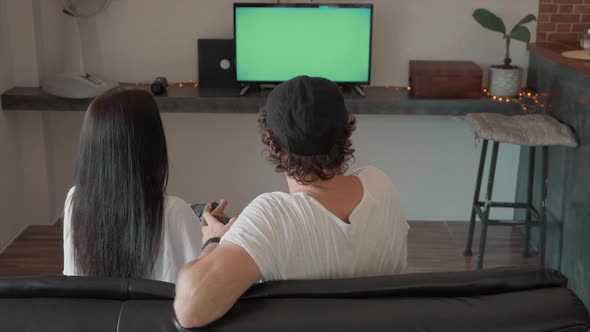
{"x":118,"y":221}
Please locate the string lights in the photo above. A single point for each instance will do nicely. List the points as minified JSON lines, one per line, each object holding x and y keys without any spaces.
{"x":188,"y":84}
{"x":528,"y":101}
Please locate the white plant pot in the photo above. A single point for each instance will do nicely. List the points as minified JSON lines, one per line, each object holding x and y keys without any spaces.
{"x":505,"y":82}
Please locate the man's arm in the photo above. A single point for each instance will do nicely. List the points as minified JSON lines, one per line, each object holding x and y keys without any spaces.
{"x":207,"y":288}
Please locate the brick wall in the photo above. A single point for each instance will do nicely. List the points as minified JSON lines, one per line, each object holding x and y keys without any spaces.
{"x":563,"y":20}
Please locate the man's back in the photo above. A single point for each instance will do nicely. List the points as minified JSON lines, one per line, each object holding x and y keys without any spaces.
{"x":330,"y":225}
{"x":293,"y":236}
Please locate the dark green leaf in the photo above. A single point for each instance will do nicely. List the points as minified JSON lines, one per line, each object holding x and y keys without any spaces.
{"x":489,"y":20}
{"x":522,"y":34}
{"x":527,"y":19}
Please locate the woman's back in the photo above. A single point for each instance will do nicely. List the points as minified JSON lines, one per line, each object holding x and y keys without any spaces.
{"x":180,"y":243}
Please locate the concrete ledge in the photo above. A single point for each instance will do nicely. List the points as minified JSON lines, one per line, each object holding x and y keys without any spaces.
{"x":379,"y":100}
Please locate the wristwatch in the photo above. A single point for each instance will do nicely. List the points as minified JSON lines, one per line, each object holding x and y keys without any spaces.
{"x":211,"y":240}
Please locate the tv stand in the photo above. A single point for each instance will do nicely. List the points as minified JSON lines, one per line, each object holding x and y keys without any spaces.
{"x":245,"y":89}
{"x":359,"y":90}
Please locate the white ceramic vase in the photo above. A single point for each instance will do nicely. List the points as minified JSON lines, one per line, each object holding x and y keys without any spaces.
{"x":505,"y":82}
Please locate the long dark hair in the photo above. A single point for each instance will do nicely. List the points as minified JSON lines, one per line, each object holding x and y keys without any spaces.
{"x":121,"y":177}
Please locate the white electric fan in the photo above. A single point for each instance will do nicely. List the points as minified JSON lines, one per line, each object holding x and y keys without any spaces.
{"x":75,"y":82}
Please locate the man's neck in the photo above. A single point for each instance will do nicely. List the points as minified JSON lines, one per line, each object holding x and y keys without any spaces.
{"x":314,"y":187}
{"x":339,"y":195}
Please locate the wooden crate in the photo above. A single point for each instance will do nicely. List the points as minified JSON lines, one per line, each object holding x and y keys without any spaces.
{"x":445,"y":79}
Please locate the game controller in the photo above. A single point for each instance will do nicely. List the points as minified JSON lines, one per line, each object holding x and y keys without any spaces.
{"x":200,"y":208}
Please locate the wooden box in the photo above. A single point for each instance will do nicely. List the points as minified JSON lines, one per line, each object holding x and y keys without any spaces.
{"x":445,"y":79}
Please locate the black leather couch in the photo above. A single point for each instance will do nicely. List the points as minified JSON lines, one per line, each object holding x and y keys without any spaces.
{"x":491,"y":300}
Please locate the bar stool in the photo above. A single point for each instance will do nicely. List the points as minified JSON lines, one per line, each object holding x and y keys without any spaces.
{"x":532,"y":130}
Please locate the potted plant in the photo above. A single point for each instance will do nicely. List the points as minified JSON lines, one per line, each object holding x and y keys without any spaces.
{"x":505,"y":80}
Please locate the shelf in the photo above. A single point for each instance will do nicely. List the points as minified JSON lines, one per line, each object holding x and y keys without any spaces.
{"x":379,"y":100}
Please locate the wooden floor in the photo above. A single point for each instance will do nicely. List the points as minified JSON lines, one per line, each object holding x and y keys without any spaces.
{"x":432,"y":247}
{"x":439,"y":247}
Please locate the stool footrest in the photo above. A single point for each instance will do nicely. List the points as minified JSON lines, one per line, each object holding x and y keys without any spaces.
{"x":507,"y":205}
{"x":494,"y":222}
{"x":526,"y":206}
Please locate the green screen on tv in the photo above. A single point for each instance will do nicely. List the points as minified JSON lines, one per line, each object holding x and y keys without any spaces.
{"x":277,"y":43}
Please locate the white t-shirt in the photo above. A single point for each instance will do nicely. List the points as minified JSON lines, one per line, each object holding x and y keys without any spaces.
{"x":292,"y":236}
{"x":181,"y":240}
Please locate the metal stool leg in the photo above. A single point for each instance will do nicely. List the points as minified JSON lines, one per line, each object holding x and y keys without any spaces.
{"x":486,"y":211}
{"x":529,"y":200}
{"x":543,"y":215}
{"x":482,"y":162}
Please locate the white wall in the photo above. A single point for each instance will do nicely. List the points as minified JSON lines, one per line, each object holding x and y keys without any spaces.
{"x":6,"y":74}
{"x":37,"y":174}
{"x":21,"y":25}
{"x":62,"y":130}
{"x":431,"y":159}
{"x":163,"y":35}
{"x":49,"y":37}
{"x":11,"y":202}
{"x":11,"y":193}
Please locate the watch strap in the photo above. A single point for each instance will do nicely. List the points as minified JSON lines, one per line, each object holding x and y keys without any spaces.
{"x":211,"y":240}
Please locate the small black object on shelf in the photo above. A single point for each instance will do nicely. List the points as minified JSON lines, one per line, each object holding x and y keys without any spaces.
{"x":159,"y":86}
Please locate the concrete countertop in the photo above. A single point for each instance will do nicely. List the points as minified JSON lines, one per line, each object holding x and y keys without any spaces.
{"x":379,"y":100}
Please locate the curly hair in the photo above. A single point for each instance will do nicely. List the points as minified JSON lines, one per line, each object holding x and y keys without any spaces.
{"x":308,"y":169}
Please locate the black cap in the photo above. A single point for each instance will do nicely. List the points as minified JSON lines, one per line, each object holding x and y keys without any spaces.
{"x":307,"y":115}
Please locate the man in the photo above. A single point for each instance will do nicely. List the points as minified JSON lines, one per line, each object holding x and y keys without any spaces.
{"x":329,"y":225}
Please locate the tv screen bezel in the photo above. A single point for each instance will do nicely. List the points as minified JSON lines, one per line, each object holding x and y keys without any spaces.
{"x":305,"y":5}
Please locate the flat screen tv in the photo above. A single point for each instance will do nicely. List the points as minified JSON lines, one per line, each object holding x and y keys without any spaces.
{"x":276,"y":42}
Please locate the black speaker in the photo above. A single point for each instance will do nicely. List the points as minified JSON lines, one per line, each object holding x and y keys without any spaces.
{"x":217,"y":64}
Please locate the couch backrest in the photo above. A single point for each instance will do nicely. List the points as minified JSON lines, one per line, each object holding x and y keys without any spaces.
{"x":85,"y":287}
{"x":500,"y":299}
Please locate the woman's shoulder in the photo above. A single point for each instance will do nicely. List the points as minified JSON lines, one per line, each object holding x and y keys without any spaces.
{"x":68,"y":204}
{"x":70,"y":193}
{"x":176,"y":205}
{"x":177,"y":211}
{"x":174,"y":201}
